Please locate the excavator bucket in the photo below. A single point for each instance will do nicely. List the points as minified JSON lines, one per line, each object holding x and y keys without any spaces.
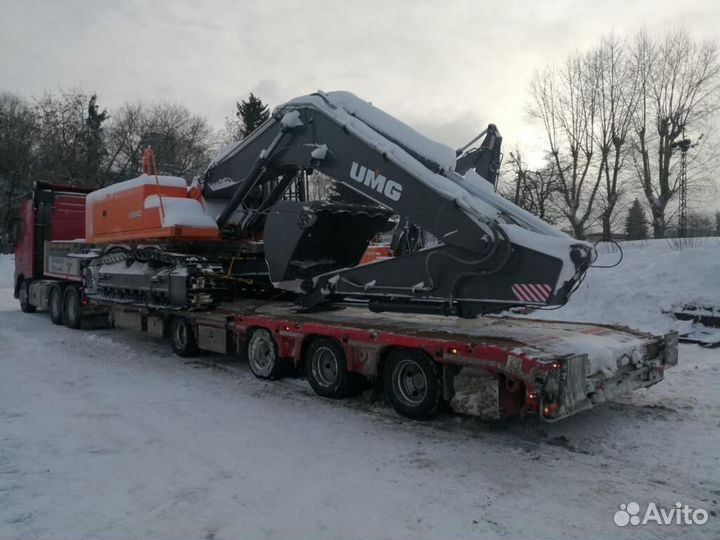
{"x":304,"y":239}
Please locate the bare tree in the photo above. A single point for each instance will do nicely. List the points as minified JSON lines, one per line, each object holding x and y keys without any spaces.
{"x":124,"y":146}
{"x":565,"y":101}
{"x":679,"y":87}
{"x":181,"y":140}
{"x":533,"y":190}
{"x":70,"y":137}
{"x":617,"y":101}
{"x":17,"y":136}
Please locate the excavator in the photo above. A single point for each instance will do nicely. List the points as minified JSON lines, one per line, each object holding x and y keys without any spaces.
{"x":235,"y":232}
{"x":244,"y":261}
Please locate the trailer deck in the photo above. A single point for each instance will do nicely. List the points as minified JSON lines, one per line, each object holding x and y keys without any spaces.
{"x":491,"y":366}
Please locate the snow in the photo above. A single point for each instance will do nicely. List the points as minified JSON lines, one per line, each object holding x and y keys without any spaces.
{"x":319,"y":152}
{"x":7,"y":270}
{"x":223,"y":183}
{"x":107,"y":434}
{"x":144,"y":180}
{"x":388,"y":126}
{"x":181,"y":212}
{"x":652,"y":277}
{"x":291,"y":120}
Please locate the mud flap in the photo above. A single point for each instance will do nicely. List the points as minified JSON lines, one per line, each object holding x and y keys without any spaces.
{"x":304,"y":239}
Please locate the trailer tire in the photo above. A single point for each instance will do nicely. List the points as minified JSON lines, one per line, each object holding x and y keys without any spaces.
{"x":24,"y":297}
{"x":262,"y":354}
{"x":183,"y":338}
{"x":412,"y":384}
{"x":55,"y":305}
{"x":326,"y":368}
{"x":71,"y":307}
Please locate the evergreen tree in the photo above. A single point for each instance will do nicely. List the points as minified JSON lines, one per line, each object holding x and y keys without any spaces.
{"x":717,"y":223}
{"x":251,"y":113}
{"x":636,"y":224}
{"x":93,"y":142}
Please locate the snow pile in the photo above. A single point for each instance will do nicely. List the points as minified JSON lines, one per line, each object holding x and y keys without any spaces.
{"x":605,"y":351}
{"x":651,"y":278}
{"x":291,"y":120}
{"x":393,"y":129}
{"x":223,"y":183}
{"x":144,"y":180}
{"x":181,"y":212}
{"x":7,"y":271}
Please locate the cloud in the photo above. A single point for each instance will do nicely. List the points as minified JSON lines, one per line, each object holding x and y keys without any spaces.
{"x":447,"y":69}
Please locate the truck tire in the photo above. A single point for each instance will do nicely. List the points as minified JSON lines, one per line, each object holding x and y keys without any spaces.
{"x":262,"y":355}
{"x":72,"y":309}
{"x":55,"y":305}
{"x":326,"y":368}
{"x":412,"y":384}
{"x":182,"y":337}
{"x":24,"y":297}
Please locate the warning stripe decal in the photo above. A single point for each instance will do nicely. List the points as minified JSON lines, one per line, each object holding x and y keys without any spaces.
{"x":531,"y":292}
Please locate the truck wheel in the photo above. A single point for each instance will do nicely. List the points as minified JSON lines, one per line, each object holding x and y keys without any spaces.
{"x":183,"y":338}
{"x":55,"y":303}
{"x":263,"y":355}
{"x":412,"y":384}
{"x":71,"y":307}
{"x":24,"y":297}
{"x":326,"y":368}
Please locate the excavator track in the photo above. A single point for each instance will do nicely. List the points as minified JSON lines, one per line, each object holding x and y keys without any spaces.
{"x":157,"y":278}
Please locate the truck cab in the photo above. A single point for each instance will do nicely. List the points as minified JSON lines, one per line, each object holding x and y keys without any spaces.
{"x":52,"y":213}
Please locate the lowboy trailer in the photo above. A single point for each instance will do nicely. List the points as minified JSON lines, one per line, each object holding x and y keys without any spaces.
{"x":492,"y":367}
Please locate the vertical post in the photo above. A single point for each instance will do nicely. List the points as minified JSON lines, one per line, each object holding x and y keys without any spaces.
{"x":682,"y":225}
{"x":150,"y":167}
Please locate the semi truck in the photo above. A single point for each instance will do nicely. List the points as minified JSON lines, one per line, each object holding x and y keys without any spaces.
{"x":492,"y":367}
{"x":241,"y":263}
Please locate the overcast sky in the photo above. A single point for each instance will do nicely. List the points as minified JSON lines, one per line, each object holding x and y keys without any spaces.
{"x":445,"y":67}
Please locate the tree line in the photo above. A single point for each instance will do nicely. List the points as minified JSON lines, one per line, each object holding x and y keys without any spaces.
{"x":69,"y":138}
{"x":613,"y":118}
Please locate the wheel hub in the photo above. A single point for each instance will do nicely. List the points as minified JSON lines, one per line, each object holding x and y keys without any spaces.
{"x":325,"y":367}
{"x":261,"y":354}
{"x":410,"y":382}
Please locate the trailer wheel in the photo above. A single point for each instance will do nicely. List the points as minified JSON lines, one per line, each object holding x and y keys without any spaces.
{"x":412,"y":384}
{"x":326,"y":368}
{"x":183,"y":338}
{"x":71,"y":307}
{"x":55,"y":303}
{"x":262,"y":354}
{"x":24,"y":297}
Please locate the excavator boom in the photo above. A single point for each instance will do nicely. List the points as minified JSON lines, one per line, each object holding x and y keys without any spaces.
{"x":489,"y":254}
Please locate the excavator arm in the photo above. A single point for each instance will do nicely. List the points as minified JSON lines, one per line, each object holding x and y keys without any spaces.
{"x":490,"y":253}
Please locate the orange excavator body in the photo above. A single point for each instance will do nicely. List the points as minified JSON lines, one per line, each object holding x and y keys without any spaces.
{"x":147,"y":208}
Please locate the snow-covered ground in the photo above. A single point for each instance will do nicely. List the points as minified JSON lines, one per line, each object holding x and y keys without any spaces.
{"x":654,"y":275}
{"x":106,"y":434}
